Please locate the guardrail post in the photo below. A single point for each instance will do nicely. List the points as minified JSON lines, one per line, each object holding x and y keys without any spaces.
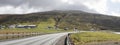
{"x":22,"y":34}
{"x":18,"y":34}
{"x":68,"y":40}
{"x":6,"y":35}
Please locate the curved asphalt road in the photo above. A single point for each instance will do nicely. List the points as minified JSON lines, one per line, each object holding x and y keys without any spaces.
{"x":49,"y":39}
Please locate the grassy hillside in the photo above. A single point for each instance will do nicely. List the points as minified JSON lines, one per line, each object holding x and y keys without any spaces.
{"x":42,"y":27}
{"x":70,"y":19}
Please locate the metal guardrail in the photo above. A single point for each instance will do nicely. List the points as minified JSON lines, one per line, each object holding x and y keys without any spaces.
{"x":68,"y":41}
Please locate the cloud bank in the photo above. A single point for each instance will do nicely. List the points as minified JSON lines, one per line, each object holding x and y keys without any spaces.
{"x":29,"y":6}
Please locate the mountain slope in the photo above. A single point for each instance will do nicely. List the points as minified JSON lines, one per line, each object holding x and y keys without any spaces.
{"x":70,"y":19}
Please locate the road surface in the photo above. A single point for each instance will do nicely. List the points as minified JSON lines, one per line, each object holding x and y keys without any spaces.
{"x":49,"y":39}
{"x":117,"y":32}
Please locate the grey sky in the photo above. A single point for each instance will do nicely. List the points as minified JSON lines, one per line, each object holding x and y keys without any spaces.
{"x":29,"y":6}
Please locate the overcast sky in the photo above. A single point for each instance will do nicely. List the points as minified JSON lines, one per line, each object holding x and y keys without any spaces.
{"x":111,"y":7}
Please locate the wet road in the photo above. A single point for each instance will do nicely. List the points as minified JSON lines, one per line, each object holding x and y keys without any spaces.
{"x":49,"y":39}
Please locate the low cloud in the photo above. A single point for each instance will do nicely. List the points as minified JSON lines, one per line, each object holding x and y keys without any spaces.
{"x":29,"y":6}
{"x":16,"y":10}
{"x":115,"y":1}
{"x":115,"y":14}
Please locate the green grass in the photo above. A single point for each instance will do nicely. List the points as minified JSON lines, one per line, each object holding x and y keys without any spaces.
{"x":87,"y":37}
{"x":42,"y":28}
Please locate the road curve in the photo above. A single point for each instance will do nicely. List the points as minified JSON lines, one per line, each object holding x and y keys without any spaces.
{"x":49,"y":39}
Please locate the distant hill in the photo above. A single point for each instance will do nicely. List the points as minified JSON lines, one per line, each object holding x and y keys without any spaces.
{"x":70,"y":19}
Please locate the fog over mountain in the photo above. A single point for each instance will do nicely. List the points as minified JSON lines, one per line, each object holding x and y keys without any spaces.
{"x":110,"y":7}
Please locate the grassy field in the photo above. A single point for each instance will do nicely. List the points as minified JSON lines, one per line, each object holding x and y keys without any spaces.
{"x":41,"y":28}
{"x":90,"y":37}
